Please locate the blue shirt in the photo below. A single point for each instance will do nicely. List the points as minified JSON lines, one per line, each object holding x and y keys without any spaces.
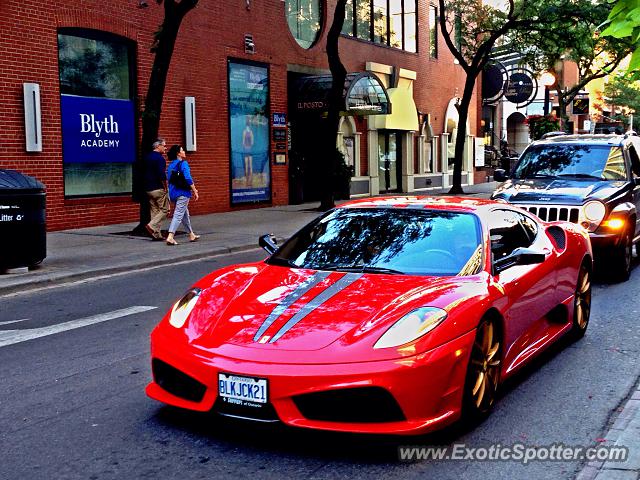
{"x":154,"y":171}
{"x":175,"y":192}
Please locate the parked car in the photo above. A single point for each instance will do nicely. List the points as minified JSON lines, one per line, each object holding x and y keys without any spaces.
{"x":592,"y":180}
{"x":386,"y":315}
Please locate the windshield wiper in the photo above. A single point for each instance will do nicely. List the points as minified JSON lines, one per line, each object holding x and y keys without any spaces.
{"x":580,"y":175}
{"x":366,"y":269}
{"x":538,"y":175}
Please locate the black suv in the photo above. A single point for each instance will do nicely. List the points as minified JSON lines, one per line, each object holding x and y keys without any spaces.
{"x":593,"y":180}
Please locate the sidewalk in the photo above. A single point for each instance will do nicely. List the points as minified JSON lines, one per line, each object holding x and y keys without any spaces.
{"x":89,"y":252}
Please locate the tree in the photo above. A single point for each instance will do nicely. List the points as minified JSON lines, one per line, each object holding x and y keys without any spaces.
{"x":622,"y":91}
{"x":471,"y":30}
{"x":332,"y":121}
{"x":163,"y":46}
{"x":595,"y":55}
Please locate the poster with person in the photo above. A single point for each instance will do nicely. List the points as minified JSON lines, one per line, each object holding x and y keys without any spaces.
{"x":249,"y":132}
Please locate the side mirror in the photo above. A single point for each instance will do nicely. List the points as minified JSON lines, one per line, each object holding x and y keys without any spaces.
{"x":520,"y":256}
{"x":268,"y":243}
{"x":500,"y":175}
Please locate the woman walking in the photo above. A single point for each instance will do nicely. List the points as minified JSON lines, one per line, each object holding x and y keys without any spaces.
{"x":180,"y":192}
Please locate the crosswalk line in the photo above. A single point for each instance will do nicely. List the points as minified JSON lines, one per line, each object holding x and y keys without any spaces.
{"x":11,"y":337}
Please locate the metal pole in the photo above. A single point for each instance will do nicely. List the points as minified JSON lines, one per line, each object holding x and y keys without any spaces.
{"x":546,"y":100}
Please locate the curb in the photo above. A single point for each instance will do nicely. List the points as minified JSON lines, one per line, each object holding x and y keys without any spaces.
{"x":97,"y":273}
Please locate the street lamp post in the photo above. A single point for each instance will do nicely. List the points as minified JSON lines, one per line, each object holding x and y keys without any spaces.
{"x":547,"y":79}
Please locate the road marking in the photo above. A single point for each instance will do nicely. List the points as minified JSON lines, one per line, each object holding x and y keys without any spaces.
{"x":13,"y":321}
{"x":10,"y":337}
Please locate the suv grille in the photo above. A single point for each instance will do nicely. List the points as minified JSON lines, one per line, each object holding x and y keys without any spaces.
{"x":552,"y":213}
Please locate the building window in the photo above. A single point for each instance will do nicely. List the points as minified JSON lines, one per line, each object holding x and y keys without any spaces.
{"x":433,"y":31}
{"x":386,"y":22}
{"x":97,"y":112}
{"x":304,"y":17}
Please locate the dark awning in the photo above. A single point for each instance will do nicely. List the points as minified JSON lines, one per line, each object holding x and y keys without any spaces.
{"x":363,"y":94}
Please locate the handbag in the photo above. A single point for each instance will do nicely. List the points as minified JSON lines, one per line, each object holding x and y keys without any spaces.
{"x":177,"y":178}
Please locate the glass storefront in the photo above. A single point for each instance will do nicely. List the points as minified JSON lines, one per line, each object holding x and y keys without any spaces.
{"x":97,"y":110}
{"x":389,"y":160}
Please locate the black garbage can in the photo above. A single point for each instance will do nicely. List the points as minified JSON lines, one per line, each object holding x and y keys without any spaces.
{"x":23,"y":227}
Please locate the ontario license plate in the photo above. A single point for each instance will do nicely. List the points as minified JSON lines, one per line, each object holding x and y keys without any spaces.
{"x":247,"y":391}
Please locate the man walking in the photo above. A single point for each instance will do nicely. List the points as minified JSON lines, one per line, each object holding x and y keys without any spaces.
{"x":155,"y":184}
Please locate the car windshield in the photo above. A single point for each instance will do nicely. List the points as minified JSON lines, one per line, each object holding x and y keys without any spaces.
{"x":601,"y":162}
{"x":387,"y":240}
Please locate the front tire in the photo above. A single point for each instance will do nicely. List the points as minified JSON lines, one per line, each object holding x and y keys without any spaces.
{"x":483,"y":372}
{"x":621,"y":268}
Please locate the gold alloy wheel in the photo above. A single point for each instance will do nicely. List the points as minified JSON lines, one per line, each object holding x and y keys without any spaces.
{"x":485,"y":366}
{"x":583,"y":299}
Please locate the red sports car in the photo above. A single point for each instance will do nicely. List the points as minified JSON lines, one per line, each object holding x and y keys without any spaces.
{"x":387,"y":315}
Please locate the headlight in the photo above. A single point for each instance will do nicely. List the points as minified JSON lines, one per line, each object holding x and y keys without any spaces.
{"x":183,"y":307}
{"x":412,"y":326}
{"x":593,"y":212}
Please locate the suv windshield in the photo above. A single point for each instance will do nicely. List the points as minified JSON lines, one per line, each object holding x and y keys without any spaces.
{"x":387,"y":240}
{"x":602,"y":162}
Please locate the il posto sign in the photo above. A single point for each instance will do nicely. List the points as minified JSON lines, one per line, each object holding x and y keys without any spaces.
{"x":97,"y":130}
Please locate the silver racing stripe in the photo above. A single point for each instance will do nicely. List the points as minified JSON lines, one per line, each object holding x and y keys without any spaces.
{"x":334,"y":289}
{"x":289,"y":300}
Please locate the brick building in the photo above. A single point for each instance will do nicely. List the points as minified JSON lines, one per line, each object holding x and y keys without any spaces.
{"x":75,"y":73}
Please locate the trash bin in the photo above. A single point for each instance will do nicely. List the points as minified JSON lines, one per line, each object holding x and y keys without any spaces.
{"x":23,"y":236}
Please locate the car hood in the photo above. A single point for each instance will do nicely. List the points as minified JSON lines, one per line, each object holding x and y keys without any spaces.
{"x":557,"y":191}
{"x":273,"y":308}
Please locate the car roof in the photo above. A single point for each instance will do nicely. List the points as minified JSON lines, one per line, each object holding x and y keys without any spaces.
{"x":595,"y":139}
{"x":466,"y":204}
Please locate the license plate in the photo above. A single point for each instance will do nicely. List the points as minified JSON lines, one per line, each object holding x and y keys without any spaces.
{"x":246,"y":391}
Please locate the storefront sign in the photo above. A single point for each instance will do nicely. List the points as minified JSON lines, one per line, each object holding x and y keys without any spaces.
{"x":249,"y":131}
{"x":279,"y":134}
{"x":97,"y":130}
{"x":279,"y":119}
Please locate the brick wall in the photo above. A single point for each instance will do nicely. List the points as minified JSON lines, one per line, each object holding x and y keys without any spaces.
{"x":210,"y":34}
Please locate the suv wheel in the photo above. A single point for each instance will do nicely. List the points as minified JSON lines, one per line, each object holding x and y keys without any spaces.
{"x":621,"y":267}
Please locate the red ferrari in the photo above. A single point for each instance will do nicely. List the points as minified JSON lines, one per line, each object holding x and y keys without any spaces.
{"x":387,"y":315}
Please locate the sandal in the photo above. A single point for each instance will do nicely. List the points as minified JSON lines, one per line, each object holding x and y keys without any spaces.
{"x":172,"y":242}
{"x":195,"y":238}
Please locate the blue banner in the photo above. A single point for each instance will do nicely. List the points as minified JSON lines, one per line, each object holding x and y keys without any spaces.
{"x":249,"y":126}
{"x":97,"y":130}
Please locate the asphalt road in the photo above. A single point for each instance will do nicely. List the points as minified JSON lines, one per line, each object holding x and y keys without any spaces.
{"x":72,"y":403}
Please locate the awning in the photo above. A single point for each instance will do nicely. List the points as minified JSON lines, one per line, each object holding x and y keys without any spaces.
{"x":405,"y":113}
{"x":363,"y":94}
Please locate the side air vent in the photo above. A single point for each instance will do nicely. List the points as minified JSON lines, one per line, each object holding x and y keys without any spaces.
{"x":557,"y":236}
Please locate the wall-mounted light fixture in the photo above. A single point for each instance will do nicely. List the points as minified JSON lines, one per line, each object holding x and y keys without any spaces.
{"x":190,"y":123}
{"x":32,"y":117}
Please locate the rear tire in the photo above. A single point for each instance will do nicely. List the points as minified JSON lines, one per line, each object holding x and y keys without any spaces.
{"x":483,"y":372}
{"x":581,"y":304}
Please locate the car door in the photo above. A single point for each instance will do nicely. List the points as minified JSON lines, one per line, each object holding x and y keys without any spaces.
{"x":529,"y":290}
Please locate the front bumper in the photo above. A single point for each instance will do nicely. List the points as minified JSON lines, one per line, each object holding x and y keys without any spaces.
{"x":603,"y":242}
{"x":427,"y":387}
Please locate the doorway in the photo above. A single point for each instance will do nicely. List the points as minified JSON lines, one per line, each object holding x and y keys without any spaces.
{"x":389,"y":160}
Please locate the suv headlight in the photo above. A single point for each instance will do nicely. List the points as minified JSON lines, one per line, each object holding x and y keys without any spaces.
{"x":593,"y":212}
{"x":183,"y":307}
{"x":412,"y":326}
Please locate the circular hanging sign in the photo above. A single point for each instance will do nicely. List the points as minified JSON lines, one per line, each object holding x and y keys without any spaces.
{"x":493,"y":81}
{"x":519,"y":87}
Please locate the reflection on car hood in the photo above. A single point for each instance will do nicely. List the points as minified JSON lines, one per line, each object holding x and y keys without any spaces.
{"x":563,"y":191}
{"x":277,"y":308}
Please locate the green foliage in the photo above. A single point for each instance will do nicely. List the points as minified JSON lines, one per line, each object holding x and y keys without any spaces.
{"x":540,"y":124}
{"x":623,"y":91}
{"x":624,"y":23}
